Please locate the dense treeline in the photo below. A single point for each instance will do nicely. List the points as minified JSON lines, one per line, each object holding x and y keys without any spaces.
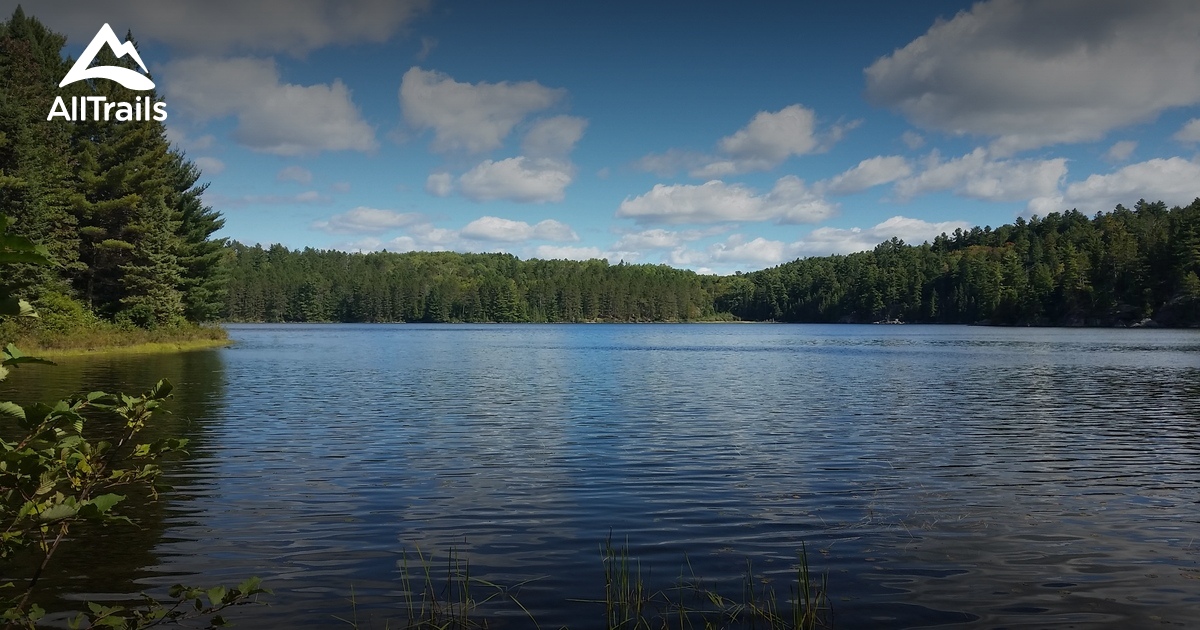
{"x":119,"y":210}
{"x":282,"y":285}
{"x":1116,"y":268}
{"x":1121,"y":267}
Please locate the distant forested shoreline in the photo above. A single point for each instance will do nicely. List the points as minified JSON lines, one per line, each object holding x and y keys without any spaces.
{"x":1127,"y":267}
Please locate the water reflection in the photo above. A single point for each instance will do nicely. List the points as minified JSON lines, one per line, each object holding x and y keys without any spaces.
{"x":116,"y":563}
{"x":941,"y":475}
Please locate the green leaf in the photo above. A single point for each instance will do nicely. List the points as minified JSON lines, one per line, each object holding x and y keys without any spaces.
{"x":58,"y":512}
{"x":161,"y":390}
{"x":21,"y":360}
{"x":216,"y":595}
{"x":250,"y":586}
{"x":12,"y":410}
{"x":103,"y":503}
{"x":13,"y":307}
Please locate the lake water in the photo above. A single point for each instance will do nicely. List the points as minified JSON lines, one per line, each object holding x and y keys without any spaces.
{"x":966,"y":476}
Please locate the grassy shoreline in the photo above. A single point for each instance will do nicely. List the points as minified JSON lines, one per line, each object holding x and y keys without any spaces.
{"x":123,"y":341}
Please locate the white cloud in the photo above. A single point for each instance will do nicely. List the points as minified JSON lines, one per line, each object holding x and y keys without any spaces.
{"x":554,"y":137}
{"x":790,"y":201}
{"x":181,"y":140}
{"x":209,"y":165}
{"x":473,"y":117}
{"x":760,"y":252}
{"x":220,"y":26}
{"x":509,"y":231}
{"x":977,"y":176}
{"x":565,"y":252}
{"x":528,"y":180}
{"x":273,"y":117}
{"x":341,"y":187}
{"x":294,"y":173}
{"x":658,"y":238}
{"x":650,"y":239}
{"x":764,"y":143}
{"x":912,"y":139}
{"x":774,"y":136}
{"x":870,"y":172}
{"x":363,"y":245}
{"x":1190,"y":132}
{"x":827,"y":240}
{"x":1121,"y":151}
{"x":1175,"y":181}
{"x":1033,"y":73}
{"x":439,"y":184}
{"x":768,"y":140}
{"x":364,"y":220}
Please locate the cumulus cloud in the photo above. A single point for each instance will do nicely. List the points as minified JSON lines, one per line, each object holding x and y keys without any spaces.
{"x":659,"y":238}
{"x":508,"y":231}
{"x":1121,"y":151}
{"x":364,"y":220}
{"x":566,"y":252}
{"x":273,"y":117}
{"x":978,"y":176}
{"x":522,"y":179}
{"x":221,"y":26}
{"x":554,"y":137}
{"x":737,"y":250}
{"x":471,"y":117}
{"x":439,"y":184}
{"x":790,"y":201}
{"x":1190,"y":132}
{"x":297,"y":174}
{"x":1031,"y":73}
{"x":764,"y":143}
{"x":827,"y":240}
{"x":870,"y":172}
{"x":1175,"y":181}
{"x":209,"y":165}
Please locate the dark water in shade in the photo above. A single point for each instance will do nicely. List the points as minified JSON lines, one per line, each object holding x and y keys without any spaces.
{"x":970,"y":477}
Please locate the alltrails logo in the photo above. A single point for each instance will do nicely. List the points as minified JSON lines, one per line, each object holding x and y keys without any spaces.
{"x":143,"y":108}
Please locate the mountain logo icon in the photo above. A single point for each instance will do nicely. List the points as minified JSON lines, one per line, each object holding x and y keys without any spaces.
{"x":129,"y":78}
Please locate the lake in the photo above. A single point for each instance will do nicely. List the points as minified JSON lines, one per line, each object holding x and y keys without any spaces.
{"x":963,"y":476}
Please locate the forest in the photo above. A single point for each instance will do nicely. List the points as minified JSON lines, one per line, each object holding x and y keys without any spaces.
{"x":118,"y":208}
{"x":122,"y":214}
{"x":1125,"y":267}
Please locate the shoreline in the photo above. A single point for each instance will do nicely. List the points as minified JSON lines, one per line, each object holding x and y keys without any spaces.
{"x":148,"y":347}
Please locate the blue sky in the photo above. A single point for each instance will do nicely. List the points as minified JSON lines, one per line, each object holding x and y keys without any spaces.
{"x":714,"y":136}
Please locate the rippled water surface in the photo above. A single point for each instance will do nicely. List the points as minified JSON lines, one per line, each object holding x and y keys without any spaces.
{"x":939,"y":475}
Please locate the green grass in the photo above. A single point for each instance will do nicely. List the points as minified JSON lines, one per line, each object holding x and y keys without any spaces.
{"x":445,"y":596}
{"x":111,"y":339}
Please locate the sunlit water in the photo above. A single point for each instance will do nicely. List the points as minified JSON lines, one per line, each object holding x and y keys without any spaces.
{"x":939,"y":475}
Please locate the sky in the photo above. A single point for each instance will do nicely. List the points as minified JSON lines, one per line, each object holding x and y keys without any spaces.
{"x":713,"y":136}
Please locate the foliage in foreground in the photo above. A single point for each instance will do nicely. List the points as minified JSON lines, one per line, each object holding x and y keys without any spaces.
{"x":452,"y":601}
{"x":55,"y":476}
